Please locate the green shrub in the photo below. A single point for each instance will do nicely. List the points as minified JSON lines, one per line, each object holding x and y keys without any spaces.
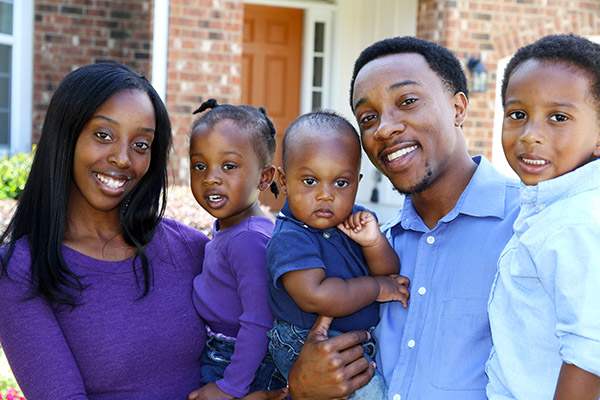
{"x":13,"y":174}
{"x":9,"y":389}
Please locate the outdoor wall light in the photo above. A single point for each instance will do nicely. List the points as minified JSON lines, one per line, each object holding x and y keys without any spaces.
{"x":478,"y":74}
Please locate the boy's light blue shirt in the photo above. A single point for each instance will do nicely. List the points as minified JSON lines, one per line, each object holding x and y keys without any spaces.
{"x":437,"y":348}
{"x":545,"y":302}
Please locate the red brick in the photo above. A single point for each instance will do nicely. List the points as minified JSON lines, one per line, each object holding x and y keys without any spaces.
{"x":61,"y":21}
{"x":509,"y":24}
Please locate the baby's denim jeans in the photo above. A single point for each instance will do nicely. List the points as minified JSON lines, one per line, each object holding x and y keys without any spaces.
{"x":286,"y":343}
{"x":217,"y":356}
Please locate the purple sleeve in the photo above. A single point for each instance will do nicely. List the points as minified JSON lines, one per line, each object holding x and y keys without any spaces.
{"x":33,"y":341}
{"x":247,"y":257}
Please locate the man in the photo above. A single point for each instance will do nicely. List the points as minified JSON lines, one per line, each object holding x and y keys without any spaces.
{"x":409,"y":97}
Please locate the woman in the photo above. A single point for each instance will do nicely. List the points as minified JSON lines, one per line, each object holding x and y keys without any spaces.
{"x":96,"y":286}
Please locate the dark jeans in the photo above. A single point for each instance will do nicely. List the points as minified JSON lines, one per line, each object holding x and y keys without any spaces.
{"x":287,"y":341}
{"x":217,"y":356}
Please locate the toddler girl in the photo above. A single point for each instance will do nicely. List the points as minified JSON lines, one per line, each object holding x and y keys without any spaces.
{"x":231,"y":150}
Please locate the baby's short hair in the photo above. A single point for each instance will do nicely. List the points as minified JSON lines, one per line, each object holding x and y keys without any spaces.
{"x":568,"y":49}
{"x":314,"y":121}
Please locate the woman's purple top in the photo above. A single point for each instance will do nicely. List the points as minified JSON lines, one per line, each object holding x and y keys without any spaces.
{"x":231,"y":295}
{"x":116,"y":345}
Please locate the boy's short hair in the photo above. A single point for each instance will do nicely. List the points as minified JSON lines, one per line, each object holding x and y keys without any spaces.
{"x":440,"y":60}
{"x":569,"y":49}
{"x":314,"y":121}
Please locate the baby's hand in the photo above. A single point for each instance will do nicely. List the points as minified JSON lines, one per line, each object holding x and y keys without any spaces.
{"x":393,"y":288}
{"x":362,"y":227}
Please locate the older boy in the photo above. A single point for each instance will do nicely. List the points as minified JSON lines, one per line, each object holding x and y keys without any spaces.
{"x":544,"y":306}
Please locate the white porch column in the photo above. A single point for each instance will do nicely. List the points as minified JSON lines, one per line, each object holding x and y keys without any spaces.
{"x":160,"y":47}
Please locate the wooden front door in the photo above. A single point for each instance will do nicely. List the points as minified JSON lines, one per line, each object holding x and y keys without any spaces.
{"x":271,"y":70}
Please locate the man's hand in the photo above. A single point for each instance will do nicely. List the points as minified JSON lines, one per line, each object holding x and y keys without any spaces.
{"x":330,"y":368}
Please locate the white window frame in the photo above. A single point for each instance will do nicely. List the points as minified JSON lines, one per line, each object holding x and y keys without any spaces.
{"x":160,"y":48}
{"x":312,"y":16}
{"x":21,"y":91}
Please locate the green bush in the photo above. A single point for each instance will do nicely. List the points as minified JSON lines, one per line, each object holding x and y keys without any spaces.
{"x":13,"y":174}
{"x":9,"y":389}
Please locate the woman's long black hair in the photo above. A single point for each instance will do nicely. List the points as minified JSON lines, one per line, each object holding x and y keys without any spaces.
{"x":42,"y":207}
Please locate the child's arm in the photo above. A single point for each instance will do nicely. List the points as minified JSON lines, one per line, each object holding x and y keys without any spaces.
{"x":575,"y":383}
{"x":381,"y":258}
{"x":255,"y":320}
{"x":313,"y":292}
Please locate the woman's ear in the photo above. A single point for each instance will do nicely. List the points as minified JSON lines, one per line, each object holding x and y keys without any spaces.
{"x":281,"y":180}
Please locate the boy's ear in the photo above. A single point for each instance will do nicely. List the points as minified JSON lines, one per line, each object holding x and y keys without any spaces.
{"x":281,"y":180}
{"x":596,"y":152}
{"x":459,"y":102}
{"x":267,"y":176}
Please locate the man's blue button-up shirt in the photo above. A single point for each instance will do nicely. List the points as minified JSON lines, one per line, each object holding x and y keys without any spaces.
{"x":438,"y":346}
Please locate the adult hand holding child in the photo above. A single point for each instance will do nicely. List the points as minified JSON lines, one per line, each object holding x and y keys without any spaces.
{"x":346,"y":371}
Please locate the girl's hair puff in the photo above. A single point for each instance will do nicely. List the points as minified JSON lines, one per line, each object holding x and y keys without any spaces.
{"x":253,"y":120}
{"x":41,"y":212}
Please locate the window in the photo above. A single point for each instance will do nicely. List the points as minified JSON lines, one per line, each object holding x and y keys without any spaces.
{"x":6,"y":28}
{"x":16,"y":71}
{"x":317,"y":59}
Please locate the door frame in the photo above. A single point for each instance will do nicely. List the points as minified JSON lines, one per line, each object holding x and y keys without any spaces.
{"x":314,"y":12}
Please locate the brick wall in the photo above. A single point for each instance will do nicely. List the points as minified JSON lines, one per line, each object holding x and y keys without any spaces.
{"x":494,"y":29}
{"x":205,"y":48}
{"x":205,"y":60}
{"x":72,"y":33}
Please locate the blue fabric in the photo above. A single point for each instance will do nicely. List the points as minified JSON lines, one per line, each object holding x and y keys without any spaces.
{"x":217,"y":356}
{"x":437,"y":347}
{"x":545,"y":301}
{"x":296,"y":246}
{"x":287,"y":341}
